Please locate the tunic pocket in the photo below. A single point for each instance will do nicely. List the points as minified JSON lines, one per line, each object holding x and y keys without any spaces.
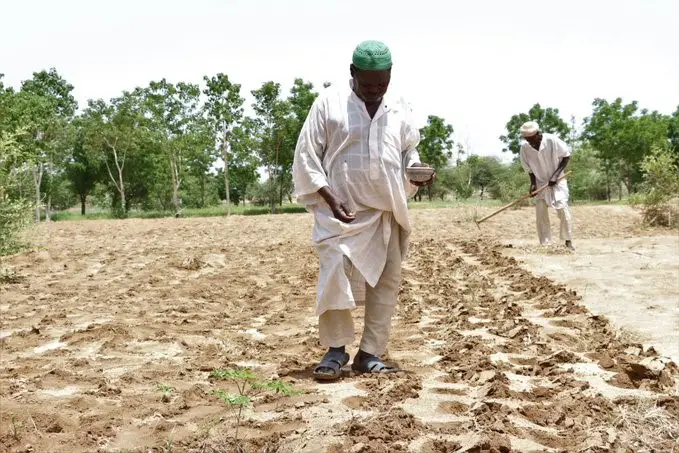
{"x":390,"y":145}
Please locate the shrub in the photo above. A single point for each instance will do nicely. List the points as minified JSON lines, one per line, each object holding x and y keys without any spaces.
{"x":660,"y":188}
{"x":15,"y":215}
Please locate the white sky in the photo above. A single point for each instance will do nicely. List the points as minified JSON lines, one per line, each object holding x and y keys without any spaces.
{"x":475,"y":63}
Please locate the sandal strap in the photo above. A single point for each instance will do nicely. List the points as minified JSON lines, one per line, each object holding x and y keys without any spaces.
{"x":331,"y":358}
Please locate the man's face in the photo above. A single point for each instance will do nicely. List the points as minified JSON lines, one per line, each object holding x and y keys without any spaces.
{"x":371,"y":85}
{"x":534,"y":140}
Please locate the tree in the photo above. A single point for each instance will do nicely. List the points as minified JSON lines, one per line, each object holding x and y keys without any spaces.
{"x":174,"y":117}
{"x":435,"y":146}
{"x":51,"y":106}
{"x":244,"y":163}
{"x":622,"y":135}
{"x":301,"y":99}
{"x":200,"y":156}
{"x":224,"y":109}
{"x":510,"y":183}
{"x":14,"y":213}
{"x":114,"y":131}
{"x":83,"y":169}
{"x":484,"y":171}
{"x":588,"y":181}
{"x":461,"y":180}
{"x":548,"y":119}
{"x":271,"y":128}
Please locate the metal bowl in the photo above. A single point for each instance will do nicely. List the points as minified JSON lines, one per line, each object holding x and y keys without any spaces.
{"x":419,"y":174}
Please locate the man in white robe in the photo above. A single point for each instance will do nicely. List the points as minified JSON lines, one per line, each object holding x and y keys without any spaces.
{"x":349,"y":171}
{"x":544,"y":157}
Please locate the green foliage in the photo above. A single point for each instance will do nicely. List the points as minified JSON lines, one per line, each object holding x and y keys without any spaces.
{"x":512,"y":182}
{"x":155,"y":151}
{"x":548,"y":119}
{"x":278,"y":387}
{"x":14,"y":217}
{"x":248,"y":386}
{"x":444,"y":183}
{"x":260,"y":193}
{"x":436,"y":142}
{"x":673,"y":133}
{"x":14,"y":211}
{"x":484,"y":171}
{"x":164,"y":388}
{"x":82,"y":169}
{"x":588,"y":179}
{"x":660,"y":186}
{"x":461,"y":181}
{"x":435,"y":149}
{"x":233,"y":400}
{"x":622,"y":135}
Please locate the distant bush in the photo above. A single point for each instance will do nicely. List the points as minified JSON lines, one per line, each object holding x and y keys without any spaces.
{"x":660,"y":188}
{"x":15,"y":212}
{"x":285,"y":209}
{"x":511,"y":183}
{"x":15,"y":215}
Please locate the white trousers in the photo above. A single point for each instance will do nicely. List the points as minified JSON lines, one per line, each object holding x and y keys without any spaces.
{"x":543,"y":224}
{"x":336,"y":327}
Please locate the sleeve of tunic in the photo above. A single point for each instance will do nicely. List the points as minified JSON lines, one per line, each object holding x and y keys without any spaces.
{"x":307,"y":167}
{"x":562,"y":149}
{"x":409,"y":153}
{"x":410,"y":139}
{"x":522,"y":159}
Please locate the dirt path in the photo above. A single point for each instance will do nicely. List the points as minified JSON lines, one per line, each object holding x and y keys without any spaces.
{"x":632,"y":281}
{"x":112,"y":330}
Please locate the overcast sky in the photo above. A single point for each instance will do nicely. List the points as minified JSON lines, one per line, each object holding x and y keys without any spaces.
{"x":475,"y":63}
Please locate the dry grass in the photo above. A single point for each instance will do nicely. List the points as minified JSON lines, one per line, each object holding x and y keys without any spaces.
{"x":629,"y":336}
{"x":9,"y":275}
{"x":662,"y":216}
{"x":645,"y":424}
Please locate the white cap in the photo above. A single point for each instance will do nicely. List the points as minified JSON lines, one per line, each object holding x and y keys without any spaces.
{"x":529,"y":129}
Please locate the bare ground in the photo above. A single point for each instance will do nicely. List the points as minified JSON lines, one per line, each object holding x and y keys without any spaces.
{"x":110,"y":331}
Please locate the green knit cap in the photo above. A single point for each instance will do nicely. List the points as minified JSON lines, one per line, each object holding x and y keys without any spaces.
{"x":372,"y":56}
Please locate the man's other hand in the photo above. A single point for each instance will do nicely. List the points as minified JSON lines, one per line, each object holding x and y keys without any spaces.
{"x":342,"y":212}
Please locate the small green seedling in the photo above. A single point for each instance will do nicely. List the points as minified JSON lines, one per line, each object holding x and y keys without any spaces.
{"x":15,"y":427}
{"x":164,"y":388}
{"x":248,"y":386}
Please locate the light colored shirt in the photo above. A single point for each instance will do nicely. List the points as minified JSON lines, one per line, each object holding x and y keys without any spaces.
{"x":363,"y":161}
{"x":543,"y":163}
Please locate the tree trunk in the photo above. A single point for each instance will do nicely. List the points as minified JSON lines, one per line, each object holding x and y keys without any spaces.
{"x":277,"y":177}
{"x":37,"y":178}
{"x":202,"y":190}
{"x":175,"y":183}
{"x":83,"y":200}
{"x":120,"y":165}
{"x":630,"y":183}
{"x":225,"y":156}
{"x":280,"y":189}
{"x":121,"y":189}
{"x":48,"y":208}
{"x":608,"y":181}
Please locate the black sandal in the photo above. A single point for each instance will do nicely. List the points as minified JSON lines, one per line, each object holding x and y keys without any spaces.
{"x":368,"y":363}
{"x":331,"y":365}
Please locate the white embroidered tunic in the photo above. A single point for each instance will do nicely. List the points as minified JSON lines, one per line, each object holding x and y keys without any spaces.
{"x":363,"y":162}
